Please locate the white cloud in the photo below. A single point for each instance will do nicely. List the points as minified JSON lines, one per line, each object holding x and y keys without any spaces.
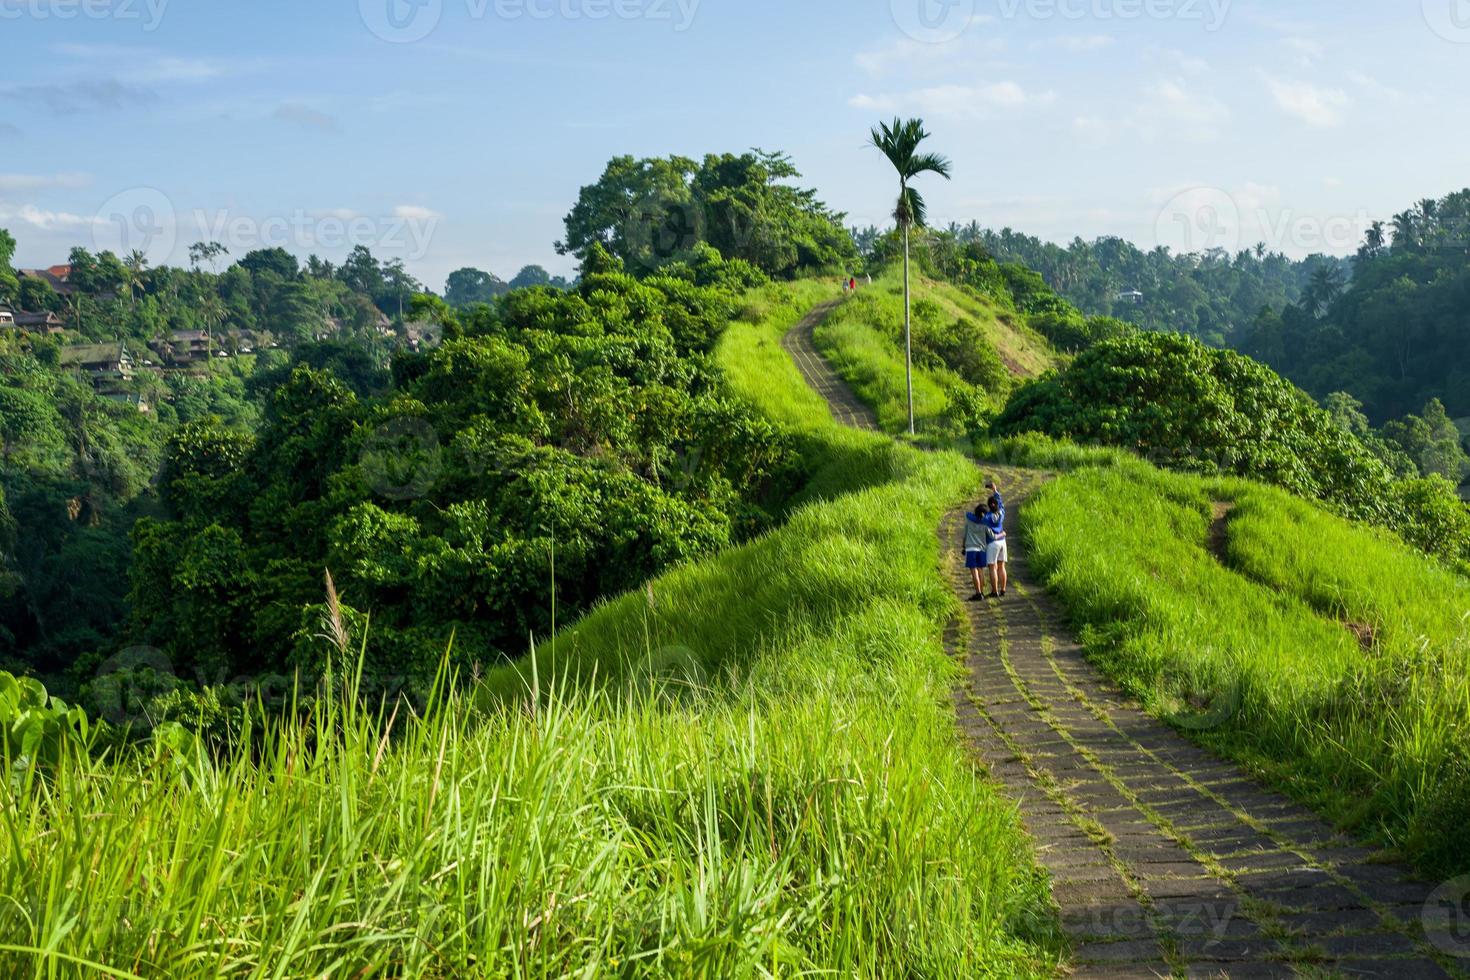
{"x":146,"y":66}
{"x":1374,"y":87}
{"x":46,"y":220}
{"x":954,"y":101}
{"x":412,"y":212}
{"x":305,"y":116}
{"x":1179,"y":61}
{"x":1080,"y":42}
{"x":1313,"y":105}
{"x":35,"y":182}
{"x":1092,"y":130}
{"x":1169,"y":109}
{"x":907,"y":56}
{"x":1307,"y":51}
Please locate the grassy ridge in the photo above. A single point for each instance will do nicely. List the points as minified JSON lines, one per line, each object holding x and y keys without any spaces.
{"x":1262,"y":647}
{"x":819,"y":645}
{"x":747,"y":769}
{"x":952,"y":327}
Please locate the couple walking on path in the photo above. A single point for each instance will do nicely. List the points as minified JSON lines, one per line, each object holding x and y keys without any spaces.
{"x":986,"y":553}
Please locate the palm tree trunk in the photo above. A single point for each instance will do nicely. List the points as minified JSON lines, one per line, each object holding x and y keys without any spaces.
{"x":908,"y":336}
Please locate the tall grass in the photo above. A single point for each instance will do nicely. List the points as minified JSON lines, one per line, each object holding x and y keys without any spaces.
{"x":867,"y":357}
{"x":864,"y":341}
{"x":747,"y":769}
{"x":1344,"y":650}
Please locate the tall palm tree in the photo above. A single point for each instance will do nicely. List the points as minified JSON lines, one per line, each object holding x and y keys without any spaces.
{"x":211,"y":310}
{"x":899,"y":142}
{"x":137,"y":264}
{"x":75,"y":307}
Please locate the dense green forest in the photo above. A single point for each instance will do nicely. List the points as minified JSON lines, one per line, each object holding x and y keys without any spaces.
{"x":1214,"y":296}
{"x":1394,"y":335}
{"x":1376,"y":338}
{"x":1384,"y":326}
{"x":558,"y":448}
{"x":469,"y":468}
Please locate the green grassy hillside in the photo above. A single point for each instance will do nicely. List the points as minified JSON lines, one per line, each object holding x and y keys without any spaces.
{"x":1328,"y":654}
{"x":749,"y":768}
{"x":968,"y":352}
{"x":816,"y":649}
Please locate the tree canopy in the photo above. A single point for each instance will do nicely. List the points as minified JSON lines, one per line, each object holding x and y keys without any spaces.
{"x":653,"y":212}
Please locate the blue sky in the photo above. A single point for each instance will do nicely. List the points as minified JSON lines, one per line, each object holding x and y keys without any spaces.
{"x":457,"y":132}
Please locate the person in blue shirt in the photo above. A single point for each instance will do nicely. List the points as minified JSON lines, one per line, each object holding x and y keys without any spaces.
{"x":997,"y":554}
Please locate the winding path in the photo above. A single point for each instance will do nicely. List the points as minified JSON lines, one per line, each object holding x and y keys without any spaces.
{"x":1165,"y":860}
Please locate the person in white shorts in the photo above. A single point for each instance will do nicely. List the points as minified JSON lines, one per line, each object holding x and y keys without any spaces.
{"x":996,"y":553}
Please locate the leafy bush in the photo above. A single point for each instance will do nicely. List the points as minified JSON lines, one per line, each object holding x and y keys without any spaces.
{"x":1183,"y":405}
{"x":654,"y":213}
{"x":962,"y":346}
{"x":1069,"y":330}
{"x":37,"y":730}
{"x":556,"y":449}
{"x":1429,"y":514}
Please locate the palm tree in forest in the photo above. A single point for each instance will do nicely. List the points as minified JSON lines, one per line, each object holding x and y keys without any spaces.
{"x":1326,"y":285}
{"x":75,"y":307}
{"x":211,"y":311}
{"x":136,"y":264}
{"x":899,"y":142}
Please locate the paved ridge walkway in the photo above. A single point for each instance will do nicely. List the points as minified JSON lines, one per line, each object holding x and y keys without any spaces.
{"x":1165,"y":860}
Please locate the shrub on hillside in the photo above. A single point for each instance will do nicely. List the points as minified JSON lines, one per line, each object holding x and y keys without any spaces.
{"x":1187,"y":406}
{"x":1430,"y":515}
{"x":962,"y":346}
{"x":1070,"y":331}
{"x":555,"y":449}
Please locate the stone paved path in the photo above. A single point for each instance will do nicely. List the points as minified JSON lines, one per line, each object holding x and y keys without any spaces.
{"x":819,"y":374}
{"x":1165,"y":860}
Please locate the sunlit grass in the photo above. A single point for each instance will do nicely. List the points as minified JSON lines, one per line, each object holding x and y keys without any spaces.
{"x":1345,"y":648}
{"x":863,"y":340}
{"x":749,"y":768}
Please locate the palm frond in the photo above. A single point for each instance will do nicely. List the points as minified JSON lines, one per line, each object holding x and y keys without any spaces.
{"x":928,"y":163}
{"x":911,"y":210}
